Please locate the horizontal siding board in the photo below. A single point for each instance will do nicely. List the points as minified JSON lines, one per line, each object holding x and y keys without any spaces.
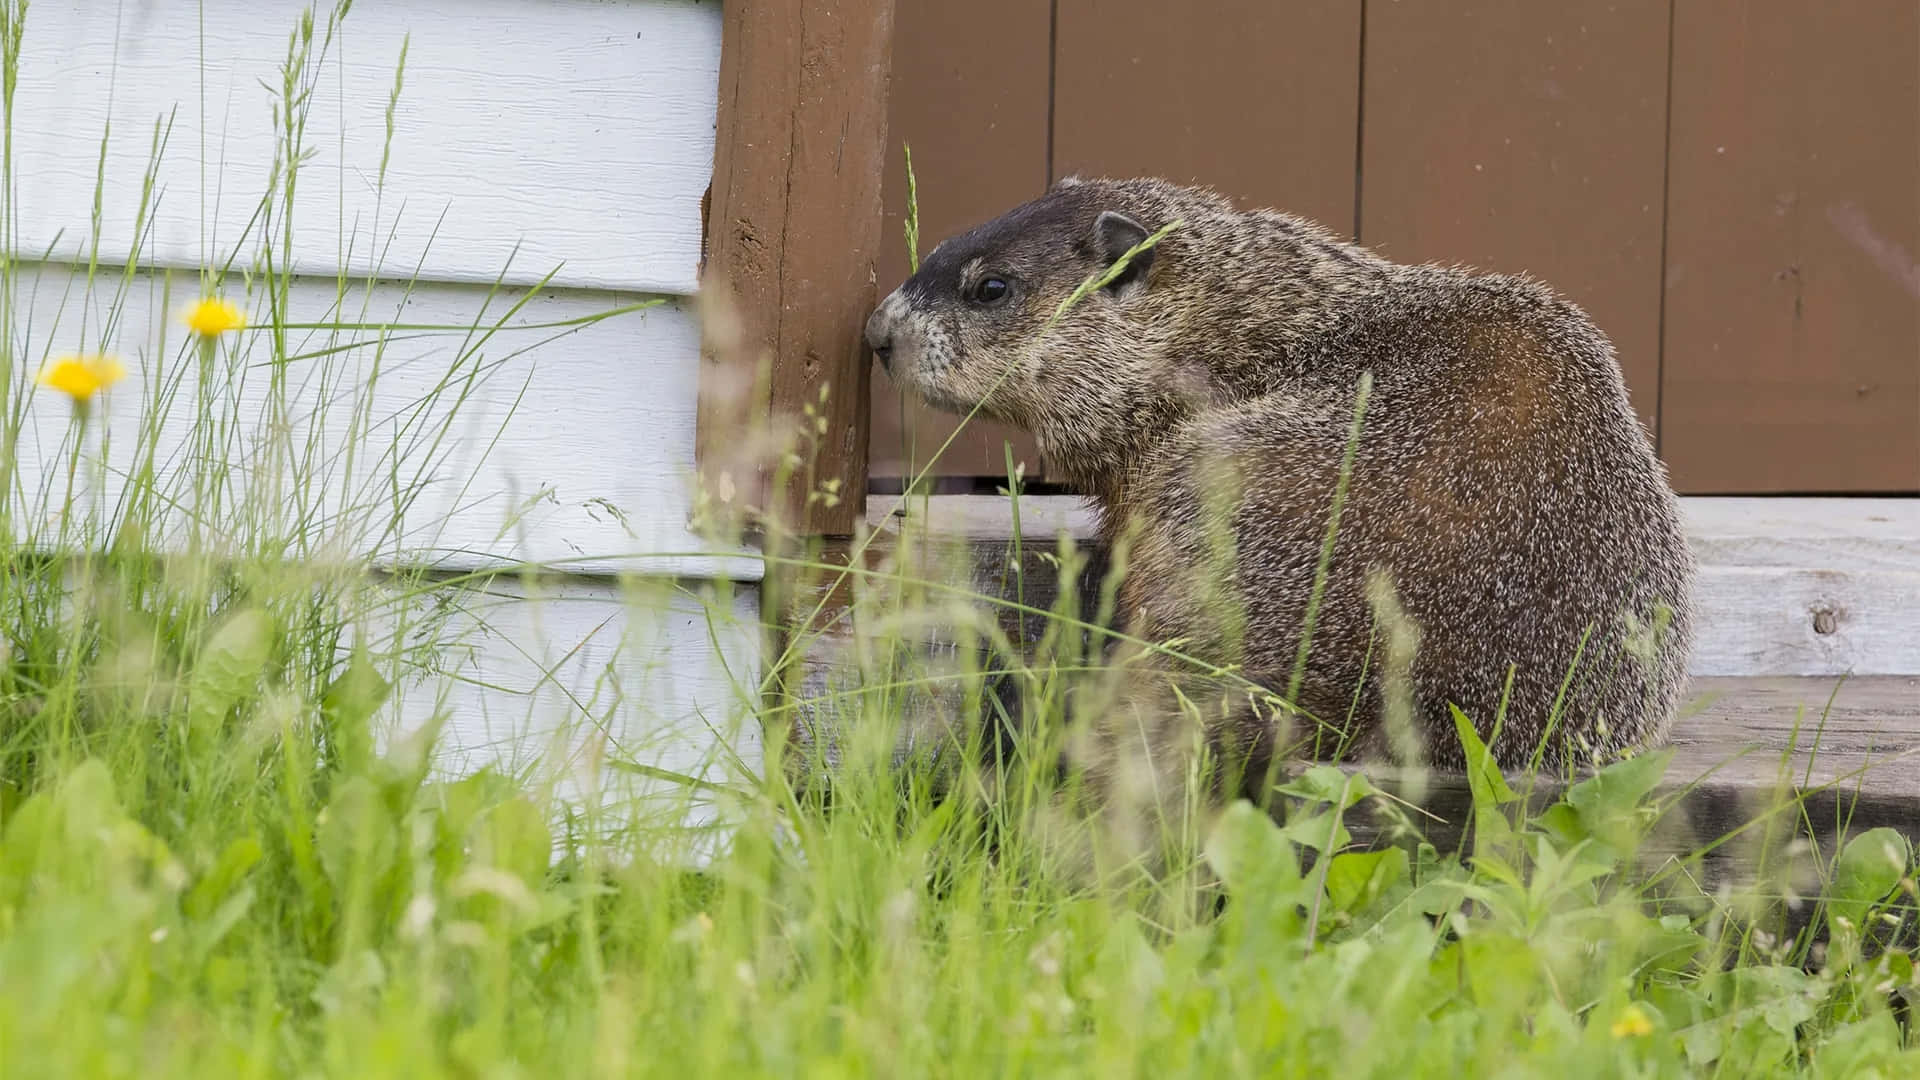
{"x":563,"y":682}
{"x":565,"y":134}
{"x":574,"y":444}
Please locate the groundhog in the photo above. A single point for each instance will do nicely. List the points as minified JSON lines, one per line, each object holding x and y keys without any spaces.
{"x":1507,"y":542}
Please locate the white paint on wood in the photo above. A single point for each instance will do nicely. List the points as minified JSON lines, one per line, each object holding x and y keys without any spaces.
{"x":568,"y":681}
{"x":573,"y":445}
{"x":986,"y":517}
{"x":579,"y":132}
{"x":1798,"y":586}
{"x":1828,"y":534}
{"x":1770,"y":620}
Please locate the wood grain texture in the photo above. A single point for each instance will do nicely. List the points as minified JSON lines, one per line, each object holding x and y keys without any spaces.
{"x":793,"y":234}
{"x":1805,"y":587}
{"x":1813,"y":587}
{"x":1858,"y":733}
{"x":572,"y":443}
{"x":970,"y":95}
{"x":1833,"y":533}
{"x":1768,"y":779}
{"x":1857,"y":737}
{"x":1256,"y":99}
{"x":1806,"y":621}
{"x":566,"y":681}
{"x":1858,"y":534}
{"x":574,"y":135}
{"x":1792,"y":287}
{"x":1526,"y":136}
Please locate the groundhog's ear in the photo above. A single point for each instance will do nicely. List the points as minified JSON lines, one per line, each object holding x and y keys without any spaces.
{"x":1115,"y":234}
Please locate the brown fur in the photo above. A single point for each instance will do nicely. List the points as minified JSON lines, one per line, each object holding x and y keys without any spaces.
{"x":1503,"y":492}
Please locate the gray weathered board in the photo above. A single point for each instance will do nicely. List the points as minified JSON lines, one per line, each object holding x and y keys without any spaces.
{"x":1806,"y":676}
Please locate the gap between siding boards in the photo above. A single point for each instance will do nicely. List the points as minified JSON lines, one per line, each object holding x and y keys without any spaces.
{"x":744,"y":569}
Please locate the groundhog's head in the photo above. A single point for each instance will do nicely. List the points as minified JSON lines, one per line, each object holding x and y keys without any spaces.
{"x":971,"y":327}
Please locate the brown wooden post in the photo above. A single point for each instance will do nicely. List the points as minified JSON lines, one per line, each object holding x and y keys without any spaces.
{"x":793,"y":228}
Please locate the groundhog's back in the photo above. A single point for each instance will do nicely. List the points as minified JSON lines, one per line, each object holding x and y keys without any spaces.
{"x":1502,"y":485}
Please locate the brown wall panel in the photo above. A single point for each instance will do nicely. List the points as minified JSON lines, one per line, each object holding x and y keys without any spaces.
{"x":1793,"y":290}
{"x":1256,"y":99}
{"x":969,"y":95}
{"x":1526,"y":136}
{"x":791,"y":237}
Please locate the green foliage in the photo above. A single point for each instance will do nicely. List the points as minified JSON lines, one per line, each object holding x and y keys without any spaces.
{"x":209,"y":864}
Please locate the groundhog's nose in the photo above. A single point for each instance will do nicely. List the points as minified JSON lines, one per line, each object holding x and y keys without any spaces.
{"x":880,"y":337}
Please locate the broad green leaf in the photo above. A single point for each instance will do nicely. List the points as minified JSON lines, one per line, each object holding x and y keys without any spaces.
{"x":1563,"y":825}
{"x":1356,"y":879}
{"x":219,"y":880}
{"x":1246,"y":849}
{"x":1491,"y":830}
{"x":461,"y":804}
{"x":1703,"y":1044}
{"x":227,"y":672}
{"x":514,"y":837}
{"x":1326,"y":784}
{"x":1489,"y":784}
{"x":1128,"y":961}
{"x":1757,"y":1048}
{"x":357,"y":834}
{"x":1609,"y":803}
{"x":1866,"y":873}
{"x":1323,"y":831}
{"x":1502,"y":972}
{"x":215,"y":928}
{"x":349,"y":703}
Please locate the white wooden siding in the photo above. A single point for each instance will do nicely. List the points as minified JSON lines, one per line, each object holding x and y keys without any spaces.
{"x":565,"y":685}
{"x":574,"y":447}
{"x":571,"y":138}
{"x":578,"y":131}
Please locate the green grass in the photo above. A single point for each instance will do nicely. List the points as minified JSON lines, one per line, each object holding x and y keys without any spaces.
{"x":215,"y":861}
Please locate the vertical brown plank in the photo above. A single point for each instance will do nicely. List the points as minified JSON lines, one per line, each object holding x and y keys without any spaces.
{"x":969,"y":95}
{"x":793,"y":229}
{"x":1793,"y":291}
{"x":1255,"y":99}
{"x":1526,"y":136}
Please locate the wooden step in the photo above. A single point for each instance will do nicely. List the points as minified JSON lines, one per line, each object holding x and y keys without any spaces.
{"x":1805,"y":680}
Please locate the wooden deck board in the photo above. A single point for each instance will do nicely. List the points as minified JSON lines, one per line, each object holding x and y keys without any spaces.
{"x":1778,"y":707}
{"x":1769,"y":777}
{"x":1749,"y":731}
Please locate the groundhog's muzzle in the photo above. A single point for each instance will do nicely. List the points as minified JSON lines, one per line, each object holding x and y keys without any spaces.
{"x":880,"y":329}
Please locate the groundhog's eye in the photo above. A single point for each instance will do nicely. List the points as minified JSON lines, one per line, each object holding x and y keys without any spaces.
{"x":991,"y":290}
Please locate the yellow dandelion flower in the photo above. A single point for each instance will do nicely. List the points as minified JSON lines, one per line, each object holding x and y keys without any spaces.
{"x":214,"y":316}
{"x":81,"y":377}
{"x":1632,"y":1023}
